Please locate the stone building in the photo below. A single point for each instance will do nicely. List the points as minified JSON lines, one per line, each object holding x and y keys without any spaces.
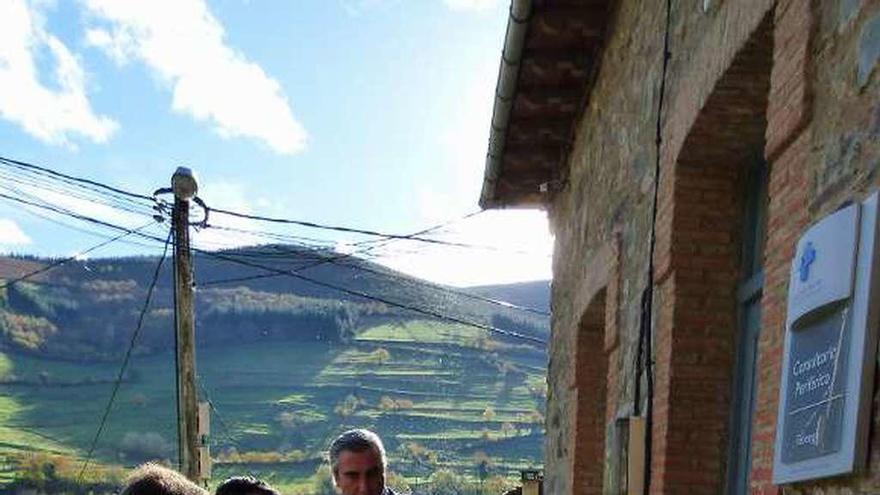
{"x":676,"y":188}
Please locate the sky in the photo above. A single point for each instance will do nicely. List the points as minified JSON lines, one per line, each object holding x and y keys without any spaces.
{"x":371,"y":114}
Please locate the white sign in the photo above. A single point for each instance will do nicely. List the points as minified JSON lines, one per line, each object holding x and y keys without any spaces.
{"x":830,"y":342}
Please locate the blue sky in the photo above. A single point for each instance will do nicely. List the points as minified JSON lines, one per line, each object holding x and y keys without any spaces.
{"x":366,"y":113}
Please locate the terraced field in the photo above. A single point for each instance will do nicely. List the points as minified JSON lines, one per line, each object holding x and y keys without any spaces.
{"x":277,"y":404}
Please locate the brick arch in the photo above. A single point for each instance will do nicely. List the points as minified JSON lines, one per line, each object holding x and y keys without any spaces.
{"x":591,"y":387}
{"x":697,"y":266}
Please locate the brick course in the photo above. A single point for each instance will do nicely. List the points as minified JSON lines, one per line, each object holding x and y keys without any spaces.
{"x":748,"y":80}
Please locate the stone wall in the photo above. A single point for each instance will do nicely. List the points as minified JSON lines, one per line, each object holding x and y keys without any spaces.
{"x":796,"y":81}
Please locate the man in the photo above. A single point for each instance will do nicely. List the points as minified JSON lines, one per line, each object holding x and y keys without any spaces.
{"x":153,"y":479}
{"x":358,"y":462}
{"x":244,"y":485}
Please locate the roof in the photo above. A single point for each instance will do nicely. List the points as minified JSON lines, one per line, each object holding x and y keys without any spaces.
{"x":550,"y":52}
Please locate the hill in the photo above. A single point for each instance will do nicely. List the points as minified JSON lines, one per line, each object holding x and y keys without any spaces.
{"x":286,"y":363}
{"x":529,"y":294}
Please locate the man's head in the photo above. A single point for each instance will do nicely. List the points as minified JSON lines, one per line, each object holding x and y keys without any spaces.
{"x":244,"y":485}
{"x":357,"y":459}
{"x":153,"y":479}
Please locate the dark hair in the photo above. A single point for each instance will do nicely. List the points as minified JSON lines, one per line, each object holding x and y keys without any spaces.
{"x":244,"y":485}
{"x":356,"y":441}
{"x":153,"y":479}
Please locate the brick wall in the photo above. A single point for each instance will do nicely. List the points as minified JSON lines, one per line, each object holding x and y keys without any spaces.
{"x":796,"y":79}
{"x":591,"y":373}
{"x":822,"y":142}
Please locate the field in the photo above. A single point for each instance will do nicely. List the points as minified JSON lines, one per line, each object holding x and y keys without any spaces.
{"x":438,"y":394}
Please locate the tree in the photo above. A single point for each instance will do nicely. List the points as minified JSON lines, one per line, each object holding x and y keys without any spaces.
{"x":387,"y":403}
{"x":145,"y":446}
{"x":507,"y":429}
{"x":286,"y":419}
{"x":348,"y":406}
{"x":496,"y":485}
{"x":481,"y":457}
{"x":485,"y":435}
{"x":138,"y":400}
{"x":445,"y":482}
{"x":379,"y":356}
{"x":322,"y":481}
{"x":397,"y":482}
{"x":489,"y":413}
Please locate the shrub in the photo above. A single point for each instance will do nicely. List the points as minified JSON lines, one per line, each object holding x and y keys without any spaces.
{"x":379,"y":356}
{"x":348,"y":406}
{"x":138,"y":400}
{"x":495,"y":485}
{"x":489,"y":413}
{"x":388,"y":404}
{"x":287,"y":420}
{"x":397,"y":482}
{"x":507,"y":429}
{"x":322,"y":481}
{"x":445,"y":482}
{"x":145,"y":446}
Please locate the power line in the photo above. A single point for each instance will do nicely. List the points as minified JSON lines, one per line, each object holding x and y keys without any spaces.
{"x":276,"y":236}
{"x":352,"y":230}
{"x":364,"y":295}
{"x":80,"y":180}
{"x":400,"y":279}
{"x":126,"y":358}
{"x":82,"y":230}
{"x":122,"y":194}
{"x":384,"y":242}
{"x":78,"y":216}
{"x":335,"y":228}
{"x":107,"y":200}
{"x":217,"y":414}
{"x":70,"y":258}
{"x":34,"y":198}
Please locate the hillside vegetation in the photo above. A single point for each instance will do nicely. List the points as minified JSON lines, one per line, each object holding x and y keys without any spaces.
{"x":286,"y":365}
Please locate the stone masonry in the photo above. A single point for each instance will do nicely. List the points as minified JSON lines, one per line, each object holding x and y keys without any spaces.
{"x":794,"y":83}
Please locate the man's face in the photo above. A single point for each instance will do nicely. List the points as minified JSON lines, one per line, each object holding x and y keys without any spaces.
{"x":360,"y":473}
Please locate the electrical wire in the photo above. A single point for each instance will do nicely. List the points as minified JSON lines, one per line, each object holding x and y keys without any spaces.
{"x":364,"y":295}
{"x":75,"y":193}
{"x":80,"y":180}
{"x":116,"y":194}
{"x":126,"y":358}
{"x":216,"y":412}
{"x":62,"y":261}
{"x":403,"y":279}
{"x":384,"y":242}
{"x":29,"y":210}
{"x":415,"y":309}
{"x":352,"y":230}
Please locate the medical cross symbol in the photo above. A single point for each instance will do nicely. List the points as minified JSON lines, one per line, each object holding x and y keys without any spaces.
{"x":807,"y":259}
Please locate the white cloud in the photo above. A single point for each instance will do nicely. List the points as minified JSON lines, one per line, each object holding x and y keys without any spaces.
{"x":478,"y":5}
{"x":11,"y":233}
{"x":521,"y":248}
{"x":229,"y":196}
{"x":52,"y":115}
{"x":185,"y":46}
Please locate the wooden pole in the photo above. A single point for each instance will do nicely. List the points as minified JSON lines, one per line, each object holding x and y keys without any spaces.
{"x":184,"y":187}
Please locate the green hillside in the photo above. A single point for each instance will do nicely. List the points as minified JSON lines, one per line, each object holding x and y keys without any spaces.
{"x":285,"y":366}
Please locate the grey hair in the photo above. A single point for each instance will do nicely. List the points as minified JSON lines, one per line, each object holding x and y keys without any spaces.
{"x":359,"y":440}
{"x":154,"y":479}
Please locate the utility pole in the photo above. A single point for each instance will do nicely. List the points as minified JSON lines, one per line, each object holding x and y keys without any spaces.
{"x":184,"y":186}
